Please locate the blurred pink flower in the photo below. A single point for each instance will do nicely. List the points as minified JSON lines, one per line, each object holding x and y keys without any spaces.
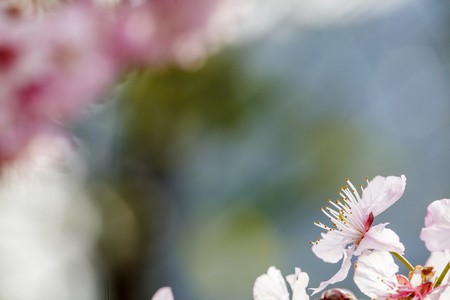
{"x":53,"y":64}
{"x":49,"y":69}
{"x":161,"y":32}
{"x":436,"y":233}
{"x":352,"y":224}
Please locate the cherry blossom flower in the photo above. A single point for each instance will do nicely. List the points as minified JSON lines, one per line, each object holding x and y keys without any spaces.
{"x":57,"y":57}
{"x":160,"y":32}
{"x":49,"y":70}
{"x":351,"y":224}
{"x":164,"y":293}
{"x":376,"y":276}
{"x":271,"y":286}
{"x":436,"y":233}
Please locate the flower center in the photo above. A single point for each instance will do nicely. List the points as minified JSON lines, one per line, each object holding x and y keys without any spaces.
{"x":347,"y":217}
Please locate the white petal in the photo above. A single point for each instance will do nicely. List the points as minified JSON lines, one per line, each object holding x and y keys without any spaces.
{"x":164,"y":293}
{"x":381,"y":193}
{"x":438,"y":260}
{"x":380,"y":238}
{"x":375,"y":274}
{"x":439,"y":293}
{"x":415,"y":278}
{"x":341,"y":274}
{"x":436,"y":233}
{"x":270,"y":286}
{"x":299,"y":282}
{"x":331,"y":246}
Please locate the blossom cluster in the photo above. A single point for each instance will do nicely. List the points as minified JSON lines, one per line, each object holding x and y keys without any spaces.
{"x":352,"y":234}
{"x":56,"y":56}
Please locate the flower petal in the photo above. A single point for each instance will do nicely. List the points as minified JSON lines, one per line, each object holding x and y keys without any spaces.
{"x":439,"y":293}
{"x":438,"y":212}
{"x":164,"y":293}
{"x":341,"y":274}
{"x":375,"y":274}
{"x":438,"y":260}
{"x":435,"y":238}
{"x":270,"y":286}
{"x":298,"y":281}
{"x":436,"y":233}
{"x":380,"y":238}
{"x":381,"y":193}
{"x":331,"y":246}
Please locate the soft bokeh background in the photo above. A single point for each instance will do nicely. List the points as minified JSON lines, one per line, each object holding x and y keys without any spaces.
{"x":205,"y":178}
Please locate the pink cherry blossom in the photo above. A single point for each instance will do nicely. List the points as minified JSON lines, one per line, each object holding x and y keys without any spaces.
{"x":351,"y":224}
{"x":436,"y":233}
{"x":376,"y":276}
{"x":272,"y":286}
{"x":57,"y":57}
{"x":161,"y":32}
{"x":50,"y":68}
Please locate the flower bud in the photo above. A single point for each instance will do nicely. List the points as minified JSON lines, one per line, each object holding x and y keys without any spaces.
{"x":337,"y":294}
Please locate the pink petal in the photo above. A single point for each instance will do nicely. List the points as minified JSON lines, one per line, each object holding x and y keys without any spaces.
{"x":402,"y":280}
{"x":341,"y":274}
{"x":331,"y":246}
{"x":164,"y":293}
{"x":439,"y":293}
{"x":438,"y":260}
{"x":381,"y":193}
{"x":436,"y":233}
{"x":434,"y":238}
{"x":380,"y":238}
{"x":438,"y":213}
{"x":425,"y":288}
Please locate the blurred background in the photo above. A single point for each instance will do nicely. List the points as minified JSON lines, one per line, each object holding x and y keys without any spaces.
{"x":201,"y":179}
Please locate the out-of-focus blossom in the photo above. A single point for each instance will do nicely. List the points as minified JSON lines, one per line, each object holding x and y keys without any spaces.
{"x":164,"y":293}
{"x":54,"y":64}
{"x":271,"y":286}
{"x":29,"y":7}
{"x":49,"y":70}
{"x":48,"y":226}
{"x":162,"y":32}
{"x":351,"y":224}
{"x":436,"y":233}
{"x":376,"y":276}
